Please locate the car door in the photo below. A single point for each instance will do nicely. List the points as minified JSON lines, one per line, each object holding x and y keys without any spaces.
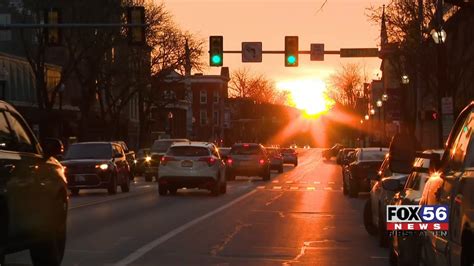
{"x":20,"y":161}
{"x":444,"y":195}
{"x":121,"y":163}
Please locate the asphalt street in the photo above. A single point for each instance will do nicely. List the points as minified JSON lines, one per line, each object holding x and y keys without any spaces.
{"x":300,"y":217}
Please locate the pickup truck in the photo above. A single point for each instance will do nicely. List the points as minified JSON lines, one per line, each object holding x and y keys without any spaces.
{"x":452,"y":185}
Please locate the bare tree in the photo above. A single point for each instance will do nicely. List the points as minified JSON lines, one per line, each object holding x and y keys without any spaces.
{"x":347,"y":84}
{"x":245,"y":84}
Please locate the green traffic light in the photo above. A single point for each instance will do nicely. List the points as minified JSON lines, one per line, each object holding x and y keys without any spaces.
{"x":291,"y":59}
{"x":216,"y":59}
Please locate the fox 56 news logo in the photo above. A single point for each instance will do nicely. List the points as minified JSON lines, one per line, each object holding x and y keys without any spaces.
{"x":415,"y":217}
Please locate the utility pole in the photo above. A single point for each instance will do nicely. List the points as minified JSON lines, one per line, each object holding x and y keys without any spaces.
{"x":189,"y":91}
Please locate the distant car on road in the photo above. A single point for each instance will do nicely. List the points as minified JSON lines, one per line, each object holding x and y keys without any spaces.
{"x":290,"y":156}
{"x":307,"y":147}
{"x":276,"y":159}
{"x":365,"y":166}
{"x":248,"y":159}
{"x":130,"y":155}
{"x":224,"y":151}
{"x":33,"y":192}
{"x":142,"y":157}
{"x":332,"y":152}
{"x":96,"y":165}
{"x":158,"y":150}
{"x":192,"y":165}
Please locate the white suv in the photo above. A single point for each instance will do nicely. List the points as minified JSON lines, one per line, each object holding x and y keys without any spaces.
{"x":192,"y":165}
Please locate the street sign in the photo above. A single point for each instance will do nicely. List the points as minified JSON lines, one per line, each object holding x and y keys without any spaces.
{"x":317,"y":52}
{"x":359,"y":52}
{"x":447,"y":105}
{"x":251,"y":52}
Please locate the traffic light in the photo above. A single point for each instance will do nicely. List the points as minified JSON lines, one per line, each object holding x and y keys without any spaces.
{"x":52,"y":34}
{"x":431,"y":115}
{"x":216,"y":51}
{"x":291,"y":51}
{"x":136,"y":34}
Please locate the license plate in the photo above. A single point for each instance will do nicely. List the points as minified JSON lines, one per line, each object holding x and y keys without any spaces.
{"x":80,"y":178}
{"x":187,"y":164}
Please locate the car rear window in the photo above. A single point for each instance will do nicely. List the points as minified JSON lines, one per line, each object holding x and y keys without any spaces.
{"x":287,"y":151}
{"x":89,"y":151}
{"x":372,"y":155}
{"x":188,"y":151}
{"x":246,"y":150}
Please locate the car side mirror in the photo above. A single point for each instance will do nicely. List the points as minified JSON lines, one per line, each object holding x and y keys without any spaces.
{"x":391,"y":184}
{"x":52,"y":147}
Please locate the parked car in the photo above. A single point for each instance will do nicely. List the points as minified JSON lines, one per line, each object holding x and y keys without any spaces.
{"x":453,"y":185}
{"x":276,"y":159}
{"x":142,"y":157}
{"x":342,"y":155}
{"x":224,"y":151}
{"x":364,"y":167}
{"x":192,"y":165}
{"x":348,"y":159}
{"x":385,"y":184}
{"x":96,"y":165}
{"x":331,"y":152}
{"x":33,"y":192}
{"x":290,"y":156}
{"x":248,"y":159}
{"x":158,"y":150}
{"x":402,"y":250}
{"x":130,"y":155}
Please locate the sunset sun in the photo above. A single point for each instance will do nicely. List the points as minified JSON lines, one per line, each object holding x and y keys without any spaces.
{"x":309,"y":95}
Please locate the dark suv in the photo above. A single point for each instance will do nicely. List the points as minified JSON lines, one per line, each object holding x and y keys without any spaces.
{"x":33,"y":193}
{"x":248,"y":159}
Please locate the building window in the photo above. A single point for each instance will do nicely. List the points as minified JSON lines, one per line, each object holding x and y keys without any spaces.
{"x":216,"y":96}
{"x":203,"y":96}
{"x":216,"y":118}
{"x":203,"y":117}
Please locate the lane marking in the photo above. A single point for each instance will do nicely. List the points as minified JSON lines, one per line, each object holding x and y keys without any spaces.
{"x":261,"y":187}
{"x":331,"y":183}
{"x":317,"y":182}
{"x":276,"y":187}
{"x":311,"y":188}
{"x":327,"y":188}
{"x":160,"y":240}
{"x":275,"y":181}
{"x":294,"y":188}
{"x":289,"y":182}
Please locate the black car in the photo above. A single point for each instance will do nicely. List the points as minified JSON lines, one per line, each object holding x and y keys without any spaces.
{"x":33,"y":193}
{"x":331,"y":152}
{"x":157,"y":151}
{"x":130,"y":155}
{"x":96,"y":165}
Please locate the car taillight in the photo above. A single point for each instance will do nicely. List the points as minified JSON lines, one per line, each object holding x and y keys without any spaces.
{"x":229,"y":161}
{"x":262,"y":161}
{"x":166,"y":159}
{"x":210,"y":160}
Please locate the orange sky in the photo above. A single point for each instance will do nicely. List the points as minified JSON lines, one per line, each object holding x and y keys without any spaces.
{"x":340,"y":24}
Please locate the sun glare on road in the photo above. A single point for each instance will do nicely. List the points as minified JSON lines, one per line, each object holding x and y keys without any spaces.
{"x":309,"y":95}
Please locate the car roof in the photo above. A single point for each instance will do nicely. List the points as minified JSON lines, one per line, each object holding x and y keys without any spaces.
{"x":95,"y":142}
{"x":373,"y":149}
{"x":177,"y":140}
{"x":6,"y":106}
{"x":193,"y":144}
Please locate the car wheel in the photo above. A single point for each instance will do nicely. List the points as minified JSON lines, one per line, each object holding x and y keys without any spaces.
{"x":75,"y":191}
{"x":148,"y":177}
{"x":382,"y":232}
{"x":112,"y":189}
{"x":230,"y":177}
{"x":125,"y":187}
{"x":353,"y":188}
{"x":369,"y":226}
{"x":173,"y":190}
{"x":162,"y":190}
{"x":51,"y":250}
{"x":344,"y":187}
{"x":223,"y":187}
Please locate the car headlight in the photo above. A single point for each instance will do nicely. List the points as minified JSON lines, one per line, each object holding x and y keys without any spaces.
{"x":103,"y":166}
{"x":135,"y":161}
{"x":148,"y":158}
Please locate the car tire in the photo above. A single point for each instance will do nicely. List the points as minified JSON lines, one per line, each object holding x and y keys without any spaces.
{"x":345,"y":191}
{"x":51,"y":250}
{"x":162,"y":190}
{"x":173,"y":190}
{"x":382,"y":232}
{"x":280,"y":170}
{"x":125,"y":188}
{"x":112,"y":189}
{"x":369,"y":226}
{"x":215,"y":189}
{"x":353,"y":188}
{"x":148,"y":178}
{"x":75,"y":192}
{"x":223,"y":188}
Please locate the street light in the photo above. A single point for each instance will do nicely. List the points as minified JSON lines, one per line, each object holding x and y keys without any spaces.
{"x":362,"y":121}
{"x":379,"y":103}
{"x":405,"y":80}
{"x":384,"y":97}
{"x":372,"y":111}
{"x":366,"y":117}
{"x":439,"y":35}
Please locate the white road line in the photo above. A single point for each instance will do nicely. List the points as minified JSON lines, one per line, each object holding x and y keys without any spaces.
{"x":261,"y":187}
{"x":276,"y":181}
{"x":289,"y":182}
{"x":331,"y":183}
{"x":276,"y":187}
{"x":153,"y":244}
{"x":293,"y":188}
{"x":311,"y":188}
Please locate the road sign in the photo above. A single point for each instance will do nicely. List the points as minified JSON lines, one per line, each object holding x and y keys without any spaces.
{"x":359,"y":52}
{"x":251,"y":52}
{"x":317,"y":52}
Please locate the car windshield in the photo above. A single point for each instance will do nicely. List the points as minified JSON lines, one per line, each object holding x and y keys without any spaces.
{"x":89,"y":151}
{"x":287,"y":151}
{"x":188,"y":151}
{"x":372,"y":155}
{"x":245,"y":150}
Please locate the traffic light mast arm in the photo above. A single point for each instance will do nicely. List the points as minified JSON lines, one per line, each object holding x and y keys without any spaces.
{"x":282,"y":52}
{"x":69,"y":25}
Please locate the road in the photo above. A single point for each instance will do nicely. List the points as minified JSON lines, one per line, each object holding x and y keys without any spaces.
{"x":300,"y":217}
